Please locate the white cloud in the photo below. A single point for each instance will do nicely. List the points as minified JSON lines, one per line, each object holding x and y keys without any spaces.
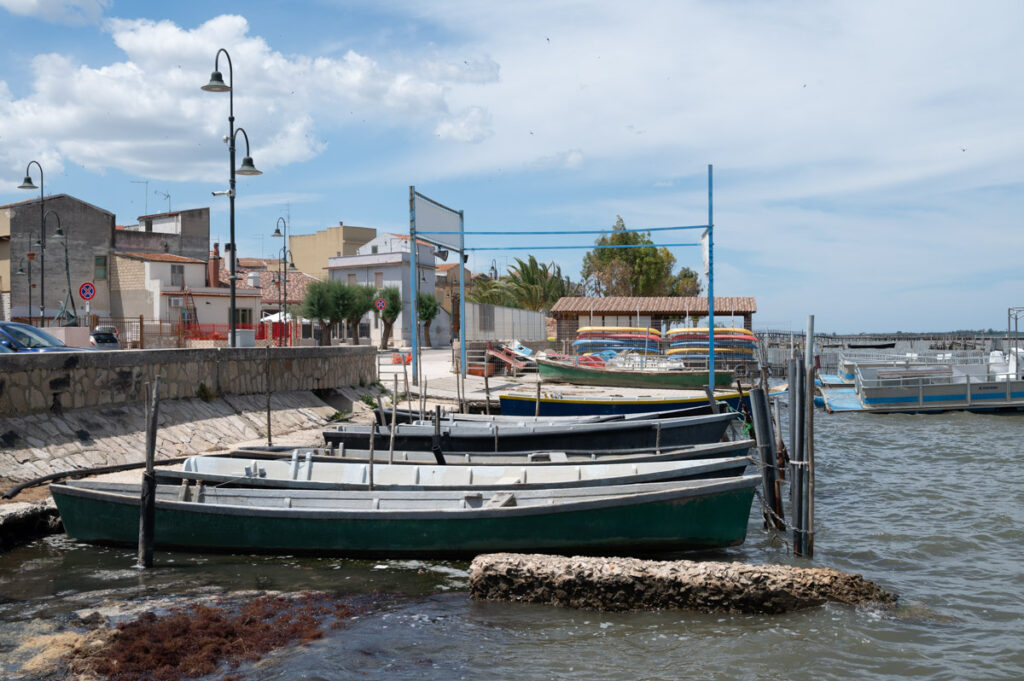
{"x":147,"y":116}
{"x":472,"y":125}
{"x":59,"y":11}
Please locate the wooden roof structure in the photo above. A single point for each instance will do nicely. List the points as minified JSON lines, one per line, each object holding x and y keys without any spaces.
{"x":567,"y":312}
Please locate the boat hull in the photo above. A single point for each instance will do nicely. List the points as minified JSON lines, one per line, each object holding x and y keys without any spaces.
{"x":644,"y":523}
{"x":526,"y":405}
{"x":498,"y":437}
{"x":561,"y":372}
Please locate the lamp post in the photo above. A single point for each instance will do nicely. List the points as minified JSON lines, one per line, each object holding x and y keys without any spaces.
{"x":30,"y":256}
{"x":60,"y":236}
{"x":27,"y":184}
{"x":217,"y":84}
{"x":282,"y":280}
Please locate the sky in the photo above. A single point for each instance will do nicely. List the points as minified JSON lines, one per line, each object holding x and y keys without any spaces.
{"x":868,"y":156}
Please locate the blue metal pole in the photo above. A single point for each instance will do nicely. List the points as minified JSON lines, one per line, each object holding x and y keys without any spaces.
{"x":413,"y":280}
{"x":711,"y":285}
{"x":462,"y":295}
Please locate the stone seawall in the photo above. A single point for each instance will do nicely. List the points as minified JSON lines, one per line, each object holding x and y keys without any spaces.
{"x":57,"y":381}
{"x":35,"y":445}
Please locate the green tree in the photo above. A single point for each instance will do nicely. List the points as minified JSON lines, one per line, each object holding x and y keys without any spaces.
{"x":489,"y":291}
{"x":427,"y":308}
{"x":392,"y":308}
{"x":537,"y":286}
{"x":321,"y":304}
{"x":643,"y":269}
{"x":354,"y":301}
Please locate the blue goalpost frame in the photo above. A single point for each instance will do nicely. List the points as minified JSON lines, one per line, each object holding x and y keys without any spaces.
{"x":462,"y":250}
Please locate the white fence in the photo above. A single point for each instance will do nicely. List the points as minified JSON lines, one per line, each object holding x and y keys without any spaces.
{"x":492,"y":322}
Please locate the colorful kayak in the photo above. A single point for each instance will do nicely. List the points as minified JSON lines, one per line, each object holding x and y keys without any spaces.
{"x":617,"y":329}
{"x":704,"y":330}
{"x":732,"y":352}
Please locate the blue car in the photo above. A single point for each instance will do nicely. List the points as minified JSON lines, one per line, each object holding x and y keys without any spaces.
{"x":16,"y":337}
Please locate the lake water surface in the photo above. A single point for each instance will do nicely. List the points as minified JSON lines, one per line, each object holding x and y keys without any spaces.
{"x":927,"y":506}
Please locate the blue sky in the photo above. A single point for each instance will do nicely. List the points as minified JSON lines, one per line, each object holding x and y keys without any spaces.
{"x":867,"y":155}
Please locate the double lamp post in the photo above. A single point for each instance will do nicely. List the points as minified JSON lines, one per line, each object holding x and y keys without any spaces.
{"x":217,"y":84}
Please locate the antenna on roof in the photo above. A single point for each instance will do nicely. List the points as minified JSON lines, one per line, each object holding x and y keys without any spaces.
{"x":166,"y":196}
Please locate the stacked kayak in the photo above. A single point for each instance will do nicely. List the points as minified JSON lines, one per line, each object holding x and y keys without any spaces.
{"x":692,"y":343}
{"x":595,"y":339}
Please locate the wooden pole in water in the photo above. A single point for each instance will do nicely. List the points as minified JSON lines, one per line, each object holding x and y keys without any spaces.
{"x":809,"y":446}
{"x":394,"y":417}
{"x":405,"y":373}
{"x":762,"y":431}
{"x":147,"y":499}
{"x":379,"y":416}
{"x":487,"y":392}
{"x":270,"y":438}
{"x":536,"y":406}
{"x":373,"y":436}
{"x":798,"y":386}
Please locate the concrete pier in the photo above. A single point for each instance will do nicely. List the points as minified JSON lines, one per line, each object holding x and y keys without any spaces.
{"x":623,"y":584}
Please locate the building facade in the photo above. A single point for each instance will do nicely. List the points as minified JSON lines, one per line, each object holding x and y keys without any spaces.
{"x":383,"y":262}
{"x":311,"y":252}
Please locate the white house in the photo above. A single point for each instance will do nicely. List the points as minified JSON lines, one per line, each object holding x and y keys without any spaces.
{"x":172,"y":288}
{"x":385,"y":261}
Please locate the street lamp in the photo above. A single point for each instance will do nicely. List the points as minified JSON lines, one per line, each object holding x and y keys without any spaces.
{"x":60,"y":236}
{"x":27,"y":184}
{"x":30,"y":256}
{"x":282,"y":280}
{"x":217,"y":84}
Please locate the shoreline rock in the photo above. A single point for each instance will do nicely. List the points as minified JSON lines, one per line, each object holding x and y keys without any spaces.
{"x":624,"y":584}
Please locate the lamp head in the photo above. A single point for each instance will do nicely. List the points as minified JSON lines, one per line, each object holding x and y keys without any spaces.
{"x":248,"y":167}
{"x":217,"y":83}
{"x":277,"y":231}
{"x":59,"y":234}
{"x":442,"y":254}
{"x":21,"y":271}
{"x":27,"y":184}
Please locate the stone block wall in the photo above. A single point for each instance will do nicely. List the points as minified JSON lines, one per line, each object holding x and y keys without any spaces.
{"x":56,"y":381}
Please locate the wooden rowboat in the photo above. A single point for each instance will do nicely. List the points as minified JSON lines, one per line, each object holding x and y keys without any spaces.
{"x":617,"y":520}
{"x":567,"y":372}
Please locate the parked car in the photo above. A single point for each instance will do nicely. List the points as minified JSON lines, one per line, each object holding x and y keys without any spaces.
{"x":18,"y":337}
{"x":104,"y":338}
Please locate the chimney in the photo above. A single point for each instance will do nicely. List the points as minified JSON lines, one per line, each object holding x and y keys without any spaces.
{"x":341,"y":223}
{"x":213,"y":267}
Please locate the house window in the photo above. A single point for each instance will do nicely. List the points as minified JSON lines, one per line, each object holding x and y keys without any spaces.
{"x":373,"y":250}
{"x":243,"y":315}
{"x":351,"y":280}
{"x":177,"y":275}
{"x":378,"y":280}
{"x":100,"y":267}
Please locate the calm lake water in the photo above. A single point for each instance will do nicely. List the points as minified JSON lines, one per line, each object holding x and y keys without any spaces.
{"x":928,"y":506}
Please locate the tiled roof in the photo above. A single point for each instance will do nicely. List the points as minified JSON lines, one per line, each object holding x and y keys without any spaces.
{"x":667,"y":305}
{"x":296,"y":283}
{"x":162,"y":257}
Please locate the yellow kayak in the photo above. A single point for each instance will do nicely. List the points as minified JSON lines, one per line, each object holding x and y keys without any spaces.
{"x":718,"y":351}
{"x":704,"y":331}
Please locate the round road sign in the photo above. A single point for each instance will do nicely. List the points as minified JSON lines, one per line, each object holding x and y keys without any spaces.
{"x":87,"y":290}
{"x":381,"y":304}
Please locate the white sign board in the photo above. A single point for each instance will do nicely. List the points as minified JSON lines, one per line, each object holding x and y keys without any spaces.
{"x":433,"y":218}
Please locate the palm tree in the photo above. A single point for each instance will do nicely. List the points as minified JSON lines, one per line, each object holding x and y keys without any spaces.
{"x":489,"y":292}
{"x":537,"y":286}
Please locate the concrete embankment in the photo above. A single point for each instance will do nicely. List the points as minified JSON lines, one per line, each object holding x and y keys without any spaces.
{"x":41,"y":444}
{"x":621,"y":584}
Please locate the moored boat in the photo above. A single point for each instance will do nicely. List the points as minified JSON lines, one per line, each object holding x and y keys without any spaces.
{"x":235,"y":471}
{"x":524,"y":404}
{"x":616,"y":520}
{"x":569,"y":372}
{"x":490,"y":437}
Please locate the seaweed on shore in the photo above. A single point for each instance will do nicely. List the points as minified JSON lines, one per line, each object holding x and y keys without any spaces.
{"x":192,"y":642}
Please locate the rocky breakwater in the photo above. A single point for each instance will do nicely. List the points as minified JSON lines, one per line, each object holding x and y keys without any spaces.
{"x":621,"y":584}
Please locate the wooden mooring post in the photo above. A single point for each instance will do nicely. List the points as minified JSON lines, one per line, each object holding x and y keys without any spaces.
{"x":769,"y":484}
{"x":147,"y":499}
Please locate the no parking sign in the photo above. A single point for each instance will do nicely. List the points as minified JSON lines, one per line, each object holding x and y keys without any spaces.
{"x":381,"y":304}
{"x":87,"y":290}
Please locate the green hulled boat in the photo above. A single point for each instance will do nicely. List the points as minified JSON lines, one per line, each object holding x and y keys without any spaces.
{"x":619,"y":520}
{"x":566,"y":372}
